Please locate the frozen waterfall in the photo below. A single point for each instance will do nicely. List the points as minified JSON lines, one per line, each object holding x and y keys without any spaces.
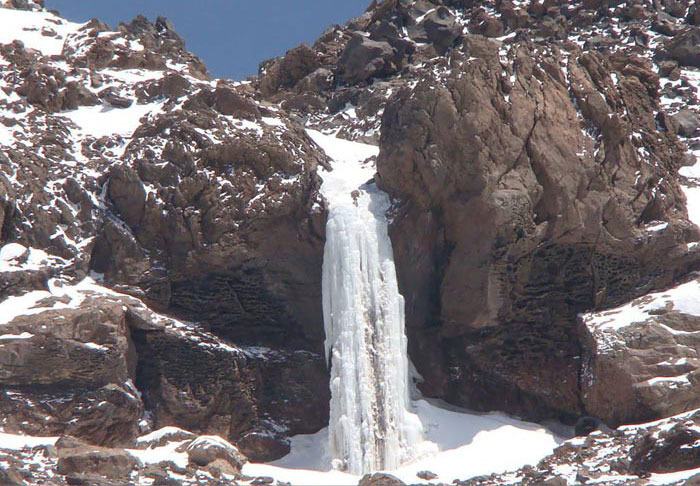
{"x":371,"y":427}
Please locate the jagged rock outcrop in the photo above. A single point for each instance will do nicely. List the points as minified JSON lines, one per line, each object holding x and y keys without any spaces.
{"x":526,"y":178}
{"x":195,"y":197}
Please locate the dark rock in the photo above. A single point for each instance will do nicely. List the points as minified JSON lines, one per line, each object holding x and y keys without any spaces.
{"x":427,"y":475}
{"x":286,"y":72}
{"x":685,"y":47}
{"x":115,"y":100}
{"x":263,"y":446}
{"x":677,"y":449}
{"x":380,"y":479}
{"x":364,"y":59}
{"x":263,"y":480}
{"x":203,"y":385}
{"x":586,"y":425}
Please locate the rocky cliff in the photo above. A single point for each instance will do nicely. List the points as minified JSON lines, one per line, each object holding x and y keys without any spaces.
{"x":162,"y":233}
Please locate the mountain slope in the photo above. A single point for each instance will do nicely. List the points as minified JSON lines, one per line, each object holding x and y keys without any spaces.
{"x":162,"y":233}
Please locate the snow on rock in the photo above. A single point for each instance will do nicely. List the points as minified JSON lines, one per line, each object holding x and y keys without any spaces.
{"x":15,"y":257}
{"x":208,"y":448}
{"x":162,"y":436}
{"x":42,"y":31}
{"x":642,"y":359}
{"x":101,"y":121}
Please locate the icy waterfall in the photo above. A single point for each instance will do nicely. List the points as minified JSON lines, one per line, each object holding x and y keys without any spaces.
{"x":371,"y":427}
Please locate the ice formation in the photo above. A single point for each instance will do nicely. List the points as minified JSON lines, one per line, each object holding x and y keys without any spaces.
{"x":371,"y":427}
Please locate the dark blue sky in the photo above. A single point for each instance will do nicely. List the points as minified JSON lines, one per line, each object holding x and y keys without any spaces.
{"x":232,"y":36}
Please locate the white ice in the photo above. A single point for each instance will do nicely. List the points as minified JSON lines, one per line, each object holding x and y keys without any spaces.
{"x":371,"y":425}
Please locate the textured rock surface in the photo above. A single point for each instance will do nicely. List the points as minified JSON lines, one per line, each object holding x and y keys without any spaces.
{"x":196,"y":198}
{"x":520,"y":184}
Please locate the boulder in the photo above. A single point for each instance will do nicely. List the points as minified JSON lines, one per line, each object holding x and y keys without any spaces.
{"x":364,"y":59}
{"x":286,"y":72}
{"x":174,"y":85}
{"x":687,"y":122}
{"x":263,"y":446}
{"x":208,"y":448}
{"x":116,"y":100}
{"x":100,"y":461}
{"x":685,"y":47}
{"x":437,"y":26}
{"x":380,"y":479}
{"x":162,"y":436}
{"x":228,"y":102}
{"x":641,"y":360}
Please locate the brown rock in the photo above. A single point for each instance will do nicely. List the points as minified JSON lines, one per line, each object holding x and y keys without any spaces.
{"x":263,"y":446}
{"x":673,"y":450}
{"x":364,"y":59}
{"x":204,"y":450}
{"x":10,"y":476}
{"x":685,"y":47}
{"x":109,"y":463}
{"x":489,"y":208}
{"x":228,"y":102}
{"x":286,"y":72}
{"x":640,"y":371}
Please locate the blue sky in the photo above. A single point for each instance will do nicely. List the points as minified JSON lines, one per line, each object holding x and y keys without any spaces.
{"x":232,"y":36}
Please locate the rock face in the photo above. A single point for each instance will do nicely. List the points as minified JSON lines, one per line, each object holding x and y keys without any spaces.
{"x":203,"y":385}
{"x":196,"y":199}
{"x":536,"y":205}
{"x":79,"y":359}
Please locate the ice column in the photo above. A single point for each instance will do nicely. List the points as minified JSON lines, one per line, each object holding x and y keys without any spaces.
{"x":371,"y":427}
